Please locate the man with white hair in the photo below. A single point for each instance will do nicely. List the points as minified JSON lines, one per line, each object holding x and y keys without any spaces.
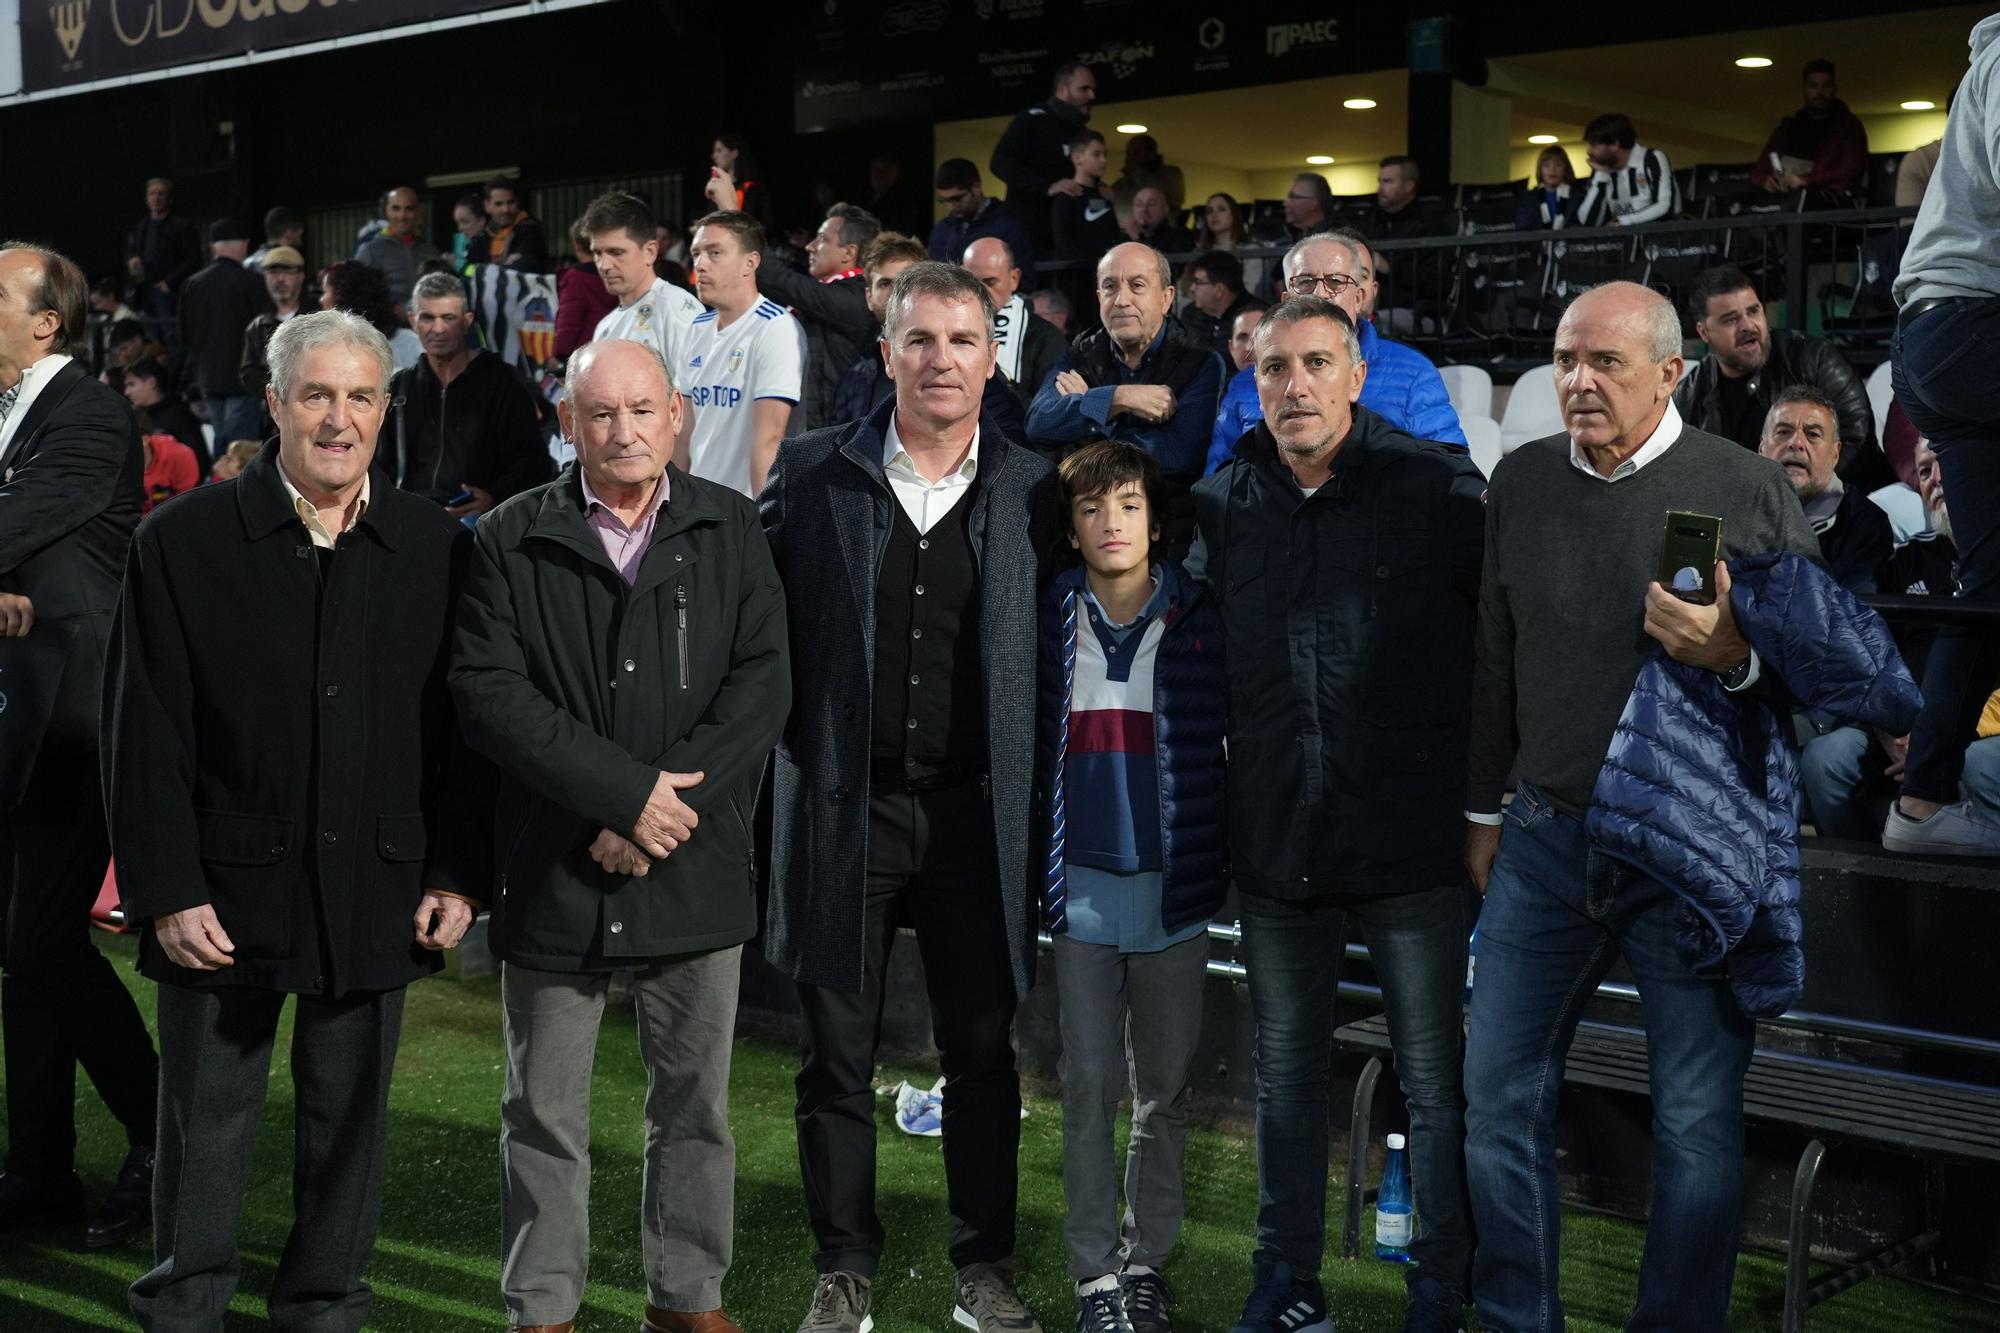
{"x":643,"y":744}
{"x":1567,"y":606}
{"x":287,"y":819}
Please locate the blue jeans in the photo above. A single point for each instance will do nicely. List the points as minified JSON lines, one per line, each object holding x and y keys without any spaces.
{"x":1556,"y":914}
{"x":235,"y":417}
{"x":1841,"y":772}
{"x":1943,"y":376}
{"x":1294,"y":950}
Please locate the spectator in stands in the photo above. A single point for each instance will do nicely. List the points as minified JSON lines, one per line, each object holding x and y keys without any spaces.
{"x":1143,"y":167}
{"x":894,"y":201}
{"x":1085,"y":222}
{"x":327,"y":659}
{"x":1308,"y":209}
{"x":1215,"y":284}
{"x":1557,"y":656}
{"x":736,"y":184}
{"x":1239,"y":412}
{"x":512,"y":237}
{"x":125,"y":342}
{"x":1629,"y":182}
{"x":1153,"y":225}
{"x":1729,"y":392}
{"x":1053,"y":306}
{"x":149,"y":387}
{"x":582,"y":299}
{"x":744,"y":362}
{"x":1033,"y":157}
{"x":970,"y":215}
{"x":161,"y":253}
{"x":1397,"y":213}
{"x":282,"y":227}
{"x":468,"y":227}
{"x":284,"y":281}
{"x":830,"y":300}
{"x":1408,"y":289}
{"x":107,"y":299}
{"x":1139,"y":378}
{"x":1359,"y":824}
{"x":624,"y":242}
{"x":399,"y":248}
{"x":217,"y":305}
{"x":170,"y":470}
{"x":1026,"y":347}
{"x":1224,"y":224}
{"x":234,"y":459}
{"x":490,"y":445}
{"x":1949,"y":294}
{"x":1802,"y":436}
{"x":354,"y":286}
{"x":1552,"y":197}
{"x":1822,"y":147}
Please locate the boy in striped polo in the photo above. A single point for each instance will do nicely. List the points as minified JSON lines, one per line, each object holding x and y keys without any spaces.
{"x":1131,"y":786}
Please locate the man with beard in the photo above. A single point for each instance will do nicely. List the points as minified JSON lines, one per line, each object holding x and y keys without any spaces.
{"x":1729,"y":392}
{"x":284,"y":270}
{"x":1033,"y":156}
{"x":1822,"y":147}
{"x":1802,"y":436}
{"x":970,"y":214}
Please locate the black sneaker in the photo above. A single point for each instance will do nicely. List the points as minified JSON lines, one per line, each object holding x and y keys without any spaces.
{"x":1147,"y":1299}
{"x":1285,"y":1307}
{"x":129,"y":1206}
{"x":1102,"y":1312}
{"x":27,"y":1203}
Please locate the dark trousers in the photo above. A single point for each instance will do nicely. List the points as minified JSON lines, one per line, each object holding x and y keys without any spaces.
{"x":932,"y":866}
{"x":62,"y":1002}
{"x":215,"y":1060}
{"x":1943,"y":376}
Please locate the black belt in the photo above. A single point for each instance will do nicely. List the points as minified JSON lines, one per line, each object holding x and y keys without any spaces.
{"x":1915,"y":310}
{"x":901,"y":776}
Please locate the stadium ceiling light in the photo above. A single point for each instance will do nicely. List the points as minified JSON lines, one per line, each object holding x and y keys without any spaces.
{"x":1543,"y":138}
{"x":1359,"y":104}
{"x":1319,"y":160}
{"x":1132,"y":127}
{"x":1920,"y":105}
{"x":1753,"y":62}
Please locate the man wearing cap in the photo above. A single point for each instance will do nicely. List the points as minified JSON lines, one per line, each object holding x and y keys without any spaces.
{"x":284,"y":273}
{"x":216,"y":303}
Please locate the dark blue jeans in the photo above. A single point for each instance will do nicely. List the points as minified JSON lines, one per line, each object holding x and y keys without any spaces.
{"x":1294,"y":951}
{"x":1556,"y":914}
{"x":1944,"y":376}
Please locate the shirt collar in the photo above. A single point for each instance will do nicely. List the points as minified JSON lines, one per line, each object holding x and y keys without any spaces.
{"x":897,"y":459}
{"x":591,"y":499}
{"x":1657,"y":443}
{"x":309,"y":514}
{"x":1155,"y":604}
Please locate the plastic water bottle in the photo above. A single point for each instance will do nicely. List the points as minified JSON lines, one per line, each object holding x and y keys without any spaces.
{"x":1395,"y":1214}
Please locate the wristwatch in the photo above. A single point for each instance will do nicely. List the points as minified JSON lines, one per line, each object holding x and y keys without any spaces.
{"x":1737,"y":676}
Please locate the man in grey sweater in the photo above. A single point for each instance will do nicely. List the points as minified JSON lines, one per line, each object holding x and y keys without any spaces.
{"x":1569,"y":611}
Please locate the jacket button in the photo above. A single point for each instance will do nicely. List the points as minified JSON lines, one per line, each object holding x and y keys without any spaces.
{"x":679,"y":557}
{"x":279,"y":850}
{"x":332,"y":690}
{"x":840,"y":792}
{"x":916,"y":634}
{"x":631,"y":665}
{"x":301,"y":552}
{"x":1381,"y":571}
{"x":389,"y":848}
{"x":920,"y":590}
{"x":614,"y":682}
{"x":1423,"y":756}
{"x":848,"y":712}
{"x":617,"y":927}
{"x":332,"y":836}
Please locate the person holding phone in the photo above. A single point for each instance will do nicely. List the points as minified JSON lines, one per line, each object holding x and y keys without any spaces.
{"x":1570,"y":609}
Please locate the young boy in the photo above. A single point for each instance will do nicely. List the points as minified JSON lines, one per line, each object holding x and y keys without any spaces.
{"x":1085,"y":225}
{"x":1131,"y":785}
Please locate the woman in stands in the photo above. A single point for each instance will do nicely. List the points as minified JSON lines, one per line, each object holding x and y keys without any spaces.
{"x":1225,"y":225}
{"x":734,"y":181}
{"x":1550,"y":201}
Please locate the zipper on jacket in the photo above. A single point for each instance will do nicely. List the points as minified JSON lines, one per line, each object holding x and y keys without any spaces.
{"x":681,"y":628}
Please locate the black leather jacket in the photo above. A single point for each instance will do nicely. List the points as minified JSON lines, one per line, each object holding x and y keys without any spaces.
{"x":1796,"y":359}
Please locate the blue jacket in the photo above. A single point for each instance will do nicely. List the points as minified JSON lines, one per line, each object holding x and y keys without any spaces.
{"x":1700,"y":789}
{"x":1189,"y":701}
{"x":1403,"y":388}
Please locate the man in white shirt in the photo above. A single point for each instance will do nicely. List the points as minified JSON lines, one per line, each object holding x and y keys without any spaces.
{"x":743,"y":362}
{"x":624,"y":242}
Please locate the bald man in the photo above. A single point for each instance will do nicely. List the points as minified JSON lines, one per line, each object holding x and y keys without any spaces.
{"x":398,"y":250}
{"x":1569,"y":612}
{"x":1029,"y":346}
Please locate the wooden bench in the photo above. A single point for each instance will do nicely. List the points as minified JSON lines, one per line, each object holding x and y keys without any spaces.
{"x":1832,"y":1103}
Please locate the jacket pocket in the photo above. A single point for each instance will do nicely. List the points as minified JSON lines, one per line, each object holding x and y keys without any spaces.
{"x":246,"y":861}
{"x":401,"y":843}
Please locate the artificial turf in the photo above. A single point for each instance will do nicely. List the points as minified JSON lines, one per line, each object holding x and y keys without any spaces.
{"x":437,"y":1263}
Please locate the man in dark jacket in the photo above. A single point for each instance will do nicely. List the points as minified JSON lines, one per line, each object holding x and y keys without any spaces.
{"x":1029,"y":346}
{"x":903,"y":783}
{"x":1140,"y":378}
{"x":1822,"y":148}
{"x":511,"y":237}
{"x":1032,"y":156}
{"x":216,"y":305}
{"x":831,"y":301}
{"x":161,"y":254}
{"x":69,"y":487}
{"x":1215,"y":282}
{"x":462,"y":428}
{"x":283,"y":271}
{"x":1728,"y":392}
{"x":1346,"y":558}
{"x":622,"y":659}
{"x":970,"y":215}
{"x":286,"y":820}
{"x":1567,"y":608}
{"x":1802,"y":436}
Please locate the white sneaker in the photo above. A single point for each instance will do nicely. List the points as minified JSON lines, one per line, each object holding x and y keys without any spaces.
{"x":1954,"y":830}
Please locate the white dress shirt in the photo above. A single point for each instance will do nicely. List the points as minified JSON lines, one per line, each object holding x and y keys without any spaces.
{"x":926,"y":501}
{"x":33,"y":380}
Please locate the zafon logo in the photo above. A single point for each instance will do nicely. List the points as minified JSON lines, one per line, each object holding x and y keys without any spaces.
{"x":68,"y":18}
{"x":1283,"y":38}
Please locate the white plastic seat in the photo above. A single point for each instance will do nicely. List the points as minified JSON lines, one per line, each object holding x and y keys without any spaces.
{"x":1531,"y":410}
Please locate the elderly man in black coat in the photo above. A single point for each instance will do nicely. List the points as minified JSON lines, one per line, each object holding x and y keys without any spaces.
{"x":909,"y":545}
{"x":287,"y":820}
{"x":69,"y":499}
{"x":622,"y":658}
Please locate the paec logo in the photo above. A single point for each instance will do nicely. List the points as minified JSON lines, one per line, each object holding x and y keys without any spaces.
{"x":1283,"y":38}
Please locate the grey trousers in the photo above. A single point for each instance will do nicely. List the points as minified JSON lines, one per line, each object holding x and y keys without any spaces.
{"x":687,"y":1020}
{"x":215,"y":1062}
{"x":1127,"y":1018}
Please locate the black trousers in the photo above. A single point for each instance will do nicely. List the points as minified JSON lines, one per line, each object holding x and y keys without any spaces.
{"x":61,"y":1002}
{"x":215,"y":1061}
{"x":931,"y":866}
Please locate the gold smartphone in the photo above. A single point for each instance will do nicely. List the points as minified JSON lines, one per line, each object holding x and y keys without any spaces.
{"x":1688,"y":552}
